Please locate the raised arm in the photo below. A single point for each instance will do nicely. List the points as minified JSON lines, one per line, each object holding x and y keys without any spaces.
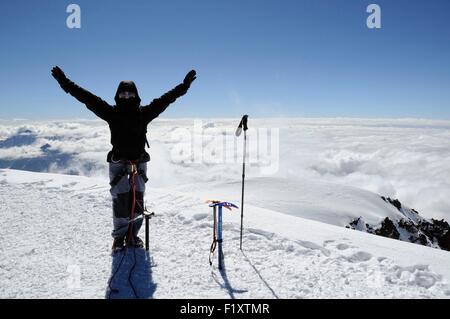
{"x":157,"y":106}
{"x":101,"y":108}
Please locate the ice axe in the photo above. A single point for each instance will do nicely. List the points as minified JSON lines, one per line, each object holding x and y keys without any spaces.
{"x":243,"y":126}
{"x":217,"y":206}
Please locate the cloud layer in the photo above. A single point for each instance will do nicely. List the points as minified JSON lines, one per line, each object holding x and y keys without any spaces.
{"x":406,"y":159}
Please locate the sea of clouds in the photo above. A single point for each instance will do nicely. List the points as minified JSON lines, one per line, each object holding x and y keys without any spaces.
{"x":407,"y":159}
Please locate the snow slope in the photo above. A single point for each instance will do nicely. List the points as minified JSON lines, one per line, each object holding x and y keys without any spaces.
{"x":307,"y":198}
{"x":54,"y":225}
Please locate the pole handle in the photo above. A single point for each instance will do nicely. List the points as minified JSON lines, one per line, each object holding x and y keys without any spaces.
{"x":242,"y":125}
{"x":244,"y":122}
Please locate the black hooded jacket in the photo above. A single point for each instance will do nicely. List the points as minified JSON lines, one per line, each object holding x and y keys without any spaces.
{"x":127,"y":120}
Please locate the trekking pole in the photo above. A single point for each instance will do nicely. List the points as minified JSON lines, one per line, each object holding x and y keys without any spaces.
{"x":219,"y":236}
{"x":243,"y":126}
{"x":147,"y":217}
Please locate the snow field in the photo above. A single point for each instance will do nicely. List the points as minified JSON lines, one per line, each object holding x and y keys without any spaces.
{"x":56,"y":223}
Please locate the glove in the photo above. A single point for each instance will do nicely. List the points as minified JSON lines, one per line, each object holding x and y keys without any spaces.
{"x":59,"y":76}
{"x":190,"y":77}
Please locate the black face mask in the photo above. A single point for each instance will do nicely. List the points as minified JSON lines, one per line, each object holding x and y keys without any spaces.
{"x":131,"y":104}
{"x":127,"y":96}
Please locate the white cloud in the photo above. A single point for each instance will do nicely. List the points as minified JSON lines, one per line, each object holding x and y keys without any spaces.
{"x":408,"y":159}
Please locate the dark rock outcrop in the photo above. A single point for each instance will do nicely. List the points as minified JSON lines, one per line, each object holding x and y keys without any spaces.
{"x":388,"y":229}
{"x":444,"y":241}
{"x":394,"y":202}
{"x":412,"y":227}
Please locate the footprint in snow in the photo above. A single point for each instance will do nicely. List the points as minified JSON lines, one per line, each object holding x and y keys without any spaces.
{"x":420,"y":275}
{"x":360,"y":256}
{"x":313,"y":246}
{"x":342,"y":246}
{"x":326,"y":242}
{"x":69,"y":185}
{"x":198,"y":217}
{"x":260,"y":232}
{"x":251,"y":237}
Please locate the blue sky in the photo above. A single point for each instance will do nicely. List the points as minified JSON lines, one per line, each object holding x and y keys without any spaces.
{"x":312,"y":58}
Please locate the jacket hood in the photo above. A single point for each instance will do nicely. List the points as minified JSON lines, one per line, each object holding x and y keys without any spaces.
{"x":127,"y":86}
